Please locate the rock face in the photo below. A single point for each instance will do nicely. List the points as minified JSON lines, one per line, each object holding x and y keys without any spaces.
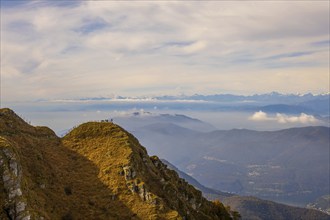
{"x":97,"y":171}
{"x":11,"y":172}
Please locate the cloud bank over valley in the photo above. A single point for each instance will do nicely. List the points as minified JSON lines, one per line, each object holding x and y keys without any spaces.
{"x":283,"y":118}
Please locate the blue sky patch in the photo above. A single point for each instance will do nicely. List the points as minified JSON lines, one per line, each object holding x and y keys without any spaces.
{"x":22,"y":3}
{"x":324,"y":43}
{"x":178,"y":43}
{"x":92,"y":25}
{"x":289,"y":55}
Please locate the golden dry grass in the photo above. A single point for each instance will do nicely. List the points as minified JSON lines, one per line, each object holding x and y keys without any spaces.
{"x":81,"y":175}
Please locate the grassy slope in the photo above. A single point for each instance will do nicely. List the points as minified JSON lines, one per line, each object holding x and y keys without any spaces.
{"x":57,"y":181}
{"x":109,"y":155}
{"x":81,"y":176}
{"x":111,"y":148}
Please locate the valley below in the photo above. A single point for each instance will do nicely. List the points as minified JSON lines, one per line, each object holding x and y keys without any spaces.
{"x":289,"y":166}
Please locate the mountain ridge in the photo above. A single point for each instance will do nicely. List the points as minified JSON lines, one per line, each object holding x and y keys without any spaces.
{"x":97,"y":171}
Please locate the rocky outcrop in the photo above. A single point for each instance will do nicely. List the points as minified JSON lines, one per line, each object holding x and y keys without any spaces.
{"x":130,"y":174}
{"x":164,"y":185}
{"x":11,"y":173}
{"x":136,"y":186}
{"x":179,"y":188}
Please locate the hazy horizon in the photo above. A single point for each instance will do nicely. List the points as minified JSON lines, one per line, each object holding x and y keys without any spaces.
{"x":61,"y":117}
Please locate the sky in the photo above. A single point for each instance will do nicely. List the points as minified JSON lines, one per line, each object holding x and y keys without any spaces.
{"x":74,"y":49}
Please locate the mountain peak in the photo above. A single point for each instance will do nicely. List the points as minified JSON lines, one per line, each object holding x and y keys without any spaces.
{"x":98,"y":170}
{"x":9,"y":119}
{"x":121,"y":159}
{"x":11,"y":123}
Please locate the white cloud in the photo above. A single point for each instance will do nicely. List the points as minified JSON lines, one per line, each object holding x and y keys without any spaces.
{"x":104,"y":47}
{"x":302,"y":118}
{"x":260,"y":116}
{"x":283,"y":118}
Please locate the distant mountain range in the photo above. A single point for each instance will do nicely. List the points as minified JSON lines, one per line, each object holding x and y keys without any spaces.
{"x":270,"y":98}
{"x":136,"y":120}
{"x":274,"y":102}
{"x":289,"y":166}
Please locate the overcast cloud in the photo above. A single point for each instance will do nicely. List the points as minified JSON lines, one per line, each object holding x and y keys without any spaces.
{"x":73,"y":49}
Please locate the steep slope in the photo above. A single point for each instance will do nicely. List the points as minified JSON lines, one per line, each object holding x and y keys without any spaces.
{"x":44,"y":179}
{"x":143,"y":183}
{"x":97,"y":171}
{"x":209,"y":193}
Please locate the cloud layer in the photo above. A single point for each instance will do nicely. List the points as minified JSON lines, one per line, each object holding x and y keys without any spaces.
{"x":283,"y":118}
{"x":90,"y":48}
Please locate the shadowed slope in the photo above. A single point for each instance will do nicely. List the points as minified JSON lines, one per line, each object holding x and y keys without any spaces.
{"x":55,"y":181}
